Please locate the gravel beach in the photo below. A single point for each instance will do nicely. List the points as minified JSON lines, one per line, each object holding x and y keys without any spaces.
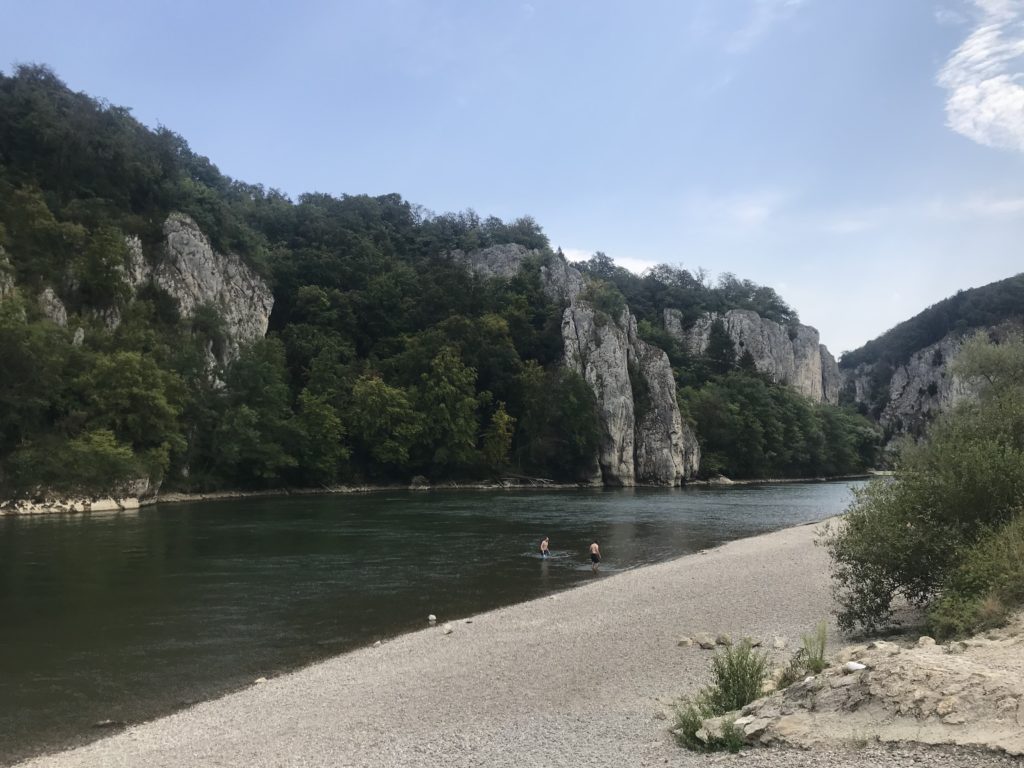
{"x":585,"y":677}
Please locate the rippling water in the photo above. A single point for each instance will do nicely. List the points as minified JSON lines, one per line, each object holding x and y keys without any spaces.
{"x":128,"y":616}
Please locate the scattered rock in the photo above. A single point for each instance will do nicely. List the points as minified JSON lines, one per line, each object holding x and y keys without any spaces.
{"x":779,"y":642}
{"x":431,"y":618}
{"x":723,"y":639}
{"x":261,"y":680}
{"x":714,"y":727}
{"x":377,"y":644}
{"x":447,"y":629}
{"x":925,"y":641}
{"x":704,"y":640}
{"x":109,"y":724}
{"x":685,"y":642}
{"x":853,"y":666}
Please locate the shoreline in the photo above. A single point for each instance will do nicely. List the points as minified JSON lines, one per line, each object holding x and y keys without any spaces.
{"x":86,"y":505}
{"x":600,"y":660}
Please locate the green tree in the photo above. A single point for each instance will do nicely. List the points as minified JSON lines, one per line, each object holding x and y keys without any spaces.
{"x":383,"y":422}
{"x":448,"y":401}
{"x":497,"y":444}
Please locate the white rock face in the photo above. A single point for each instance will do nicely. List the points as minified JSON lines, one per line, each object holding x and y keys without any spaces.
{"x":194,"y":274}
{"x":653,"y":447}
{"x":6,"y":276}
{"x":597,"y":349}
{"x":53,"y":307}
{"x":796,"y":359}
{"x":561,"y":282}
{"x":137,"y":270}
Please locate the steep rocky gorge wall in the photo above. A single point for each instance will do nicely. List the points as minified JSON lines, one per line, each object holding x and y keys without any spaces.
{"x":792,"y":357}
{"x":918,"y":391}
{"x":644,"y":440}
{"x":197,"y":275}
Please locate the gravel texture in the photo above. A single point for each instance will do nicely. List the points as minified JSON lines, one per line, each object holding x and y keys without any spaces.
{"x":585,"y":677}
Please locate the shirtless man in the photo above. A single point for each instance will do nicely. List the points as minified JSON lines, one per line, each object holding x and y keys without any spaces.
{"x":595,"y":556}
{"x":544,"y":548}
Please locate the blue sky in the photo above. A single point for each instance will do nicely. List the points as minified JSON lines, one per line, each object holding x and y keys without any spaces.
{"x":863,"y":157}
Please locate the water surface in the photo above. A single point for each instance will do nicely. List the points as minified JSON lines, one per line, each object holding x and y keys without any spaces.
{"x":128,"y":616}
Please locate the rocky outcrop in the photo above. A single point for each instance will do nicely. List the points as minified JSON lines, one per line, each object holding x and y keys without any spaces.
{"x":918,"y":390}
{"x":53,"y":308}
{"x":196,"y":275}
{"x":6,"y":276}
{"x":831,"y":377}
{"x":792,"y":356}
{"x":967,"y":693}
{"x":561,"y":281}
{"x":644,"y":440}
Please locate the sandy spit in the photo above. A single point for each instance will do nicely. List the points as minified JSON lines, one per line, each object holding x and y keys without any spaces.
{"x":582,"y":678}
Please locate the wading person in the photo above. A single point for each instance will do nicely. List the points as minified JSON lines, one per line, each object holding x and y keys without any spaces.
{"x":544,"y":548}
{"x":595,"y":556}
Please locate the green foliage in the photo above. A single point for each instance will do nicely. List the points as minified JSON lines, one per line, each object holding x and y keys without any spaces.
{"x":809,"y":658}
{"x":738,"y":674}
{"x":558,"y":429}
{"x":448,"y":401}
{"x":975,"y":308}
{"x":986,"y":586}
{"x":384,"y":424}
{"x":721,"y":351}
{"x":749,"y":427}
{"x":908,"y":537}
{"x":91,"y":463}
{"x":497,"y":445}
{"x":385,"y":355}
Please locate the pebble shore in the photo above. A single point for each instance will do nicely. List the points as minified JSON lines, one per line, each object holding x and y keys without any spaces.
{"x":581,"y":678}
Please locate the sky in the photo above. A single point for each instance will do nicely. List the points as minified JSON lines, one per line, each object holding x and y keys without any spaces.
{"x":862,"y":157}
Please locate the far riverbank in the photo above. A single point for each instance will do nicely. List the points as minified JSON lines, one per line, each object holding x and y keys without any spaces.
{"x":76,"y":505}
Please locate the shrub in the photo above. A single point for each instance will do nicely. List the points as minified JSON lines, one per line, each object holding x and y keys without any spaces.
{"x":908,"y":538}
{"x":809,"y":658}
{"x":986,"y":587}
{"x":737,"y":676}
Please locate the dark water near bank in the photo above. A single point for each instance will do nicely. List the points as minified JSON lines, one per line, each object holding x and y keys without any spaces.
{"x":124,"y":617}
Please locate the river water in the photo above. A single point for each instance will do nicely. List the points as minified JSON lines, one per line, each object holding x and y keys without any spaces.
{"x":124,"y":617}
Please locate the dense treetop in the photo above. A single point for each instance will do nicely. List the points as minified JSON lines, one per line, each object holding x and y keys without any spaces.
{"x":384,"y":357}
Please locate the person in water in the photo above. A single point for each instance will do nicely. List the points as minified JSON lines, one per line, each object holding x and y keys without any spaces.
{"x":595,"y":556}
{"x":544,"y":548}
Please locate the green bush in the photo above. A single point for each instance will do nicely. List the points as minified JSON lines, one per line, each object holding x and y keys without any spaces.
{"x":986,"y":587}
{"x":907,"y":538}
{"x":737,"y":676}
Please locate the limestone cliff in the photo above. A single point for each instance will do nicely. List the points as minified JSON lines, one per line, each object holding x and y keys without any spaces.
{"x":196,"y":275}
{"x":791,"y":356}
{"x":918,"y":391}
{"x":644,"y":440}
{"x":561,"y":281}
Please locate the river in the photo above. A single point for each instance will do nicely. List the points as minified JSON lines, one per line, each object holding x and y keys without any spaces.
{"x":124,"y":617}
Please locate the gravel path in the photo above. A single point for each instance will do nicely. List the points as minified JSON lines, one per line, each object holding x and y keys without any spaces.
{"x":581,"y":678}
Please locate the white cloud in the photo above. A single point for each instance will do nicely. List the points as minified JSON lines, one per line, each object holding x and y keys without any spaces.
{"x":985,"y":78}
{"x":764,"y":15}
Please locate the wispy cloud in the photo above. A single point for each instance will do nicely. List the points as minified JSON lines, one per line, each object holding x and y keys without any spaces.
{"x":740,"y":211}
{"x":985,"y":78}
{"x":764,"y":15}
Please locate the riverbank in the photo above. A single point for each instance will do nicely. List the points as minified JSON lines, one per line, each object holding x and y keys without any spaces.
{"x":77,"y":505}
{"x":584,"y":677}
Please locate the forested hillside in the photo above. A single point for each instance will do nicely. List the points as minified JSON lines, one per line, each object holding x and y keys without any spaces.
{"x":903,"y":377}
{"x":384,"y":357}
